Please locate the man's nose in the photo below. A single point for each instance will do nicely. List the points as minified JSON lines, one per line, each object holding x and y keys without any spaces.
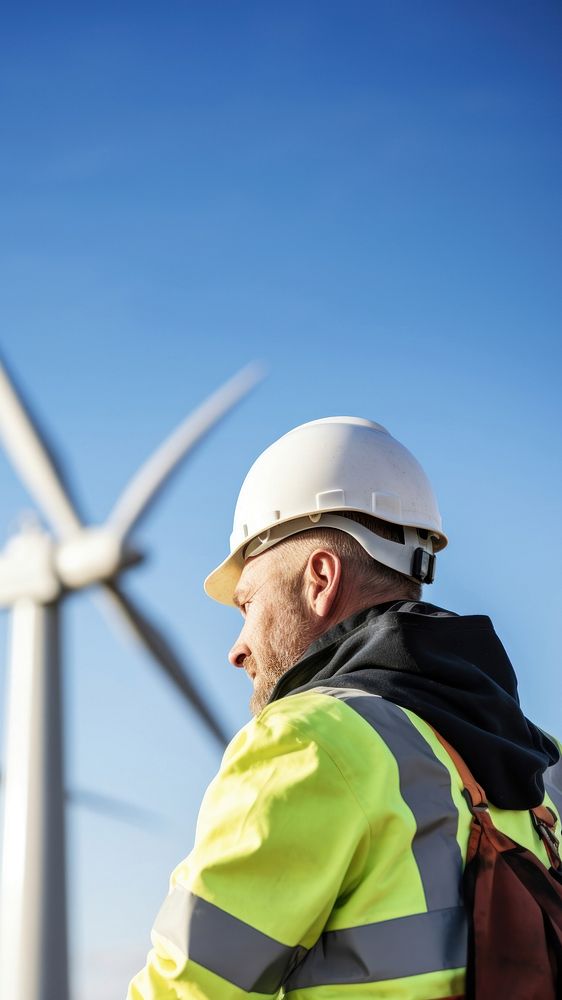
{"x":238,"y":653}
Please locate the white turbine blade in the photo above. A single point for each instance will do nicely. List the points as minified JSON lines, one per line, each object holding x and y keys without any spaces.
{"x":33,"y":459}
{"x":143,"y":489}
{"x":152,"y":638}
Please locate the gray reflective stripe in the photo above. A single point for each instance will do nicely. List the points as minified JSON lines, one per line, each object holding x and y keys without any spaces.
{"x":418,"y":943}
{"x":553,"y":785}
{"x":391,"y":949}
{"x":223,"y":944}
{"x":425,"y":786}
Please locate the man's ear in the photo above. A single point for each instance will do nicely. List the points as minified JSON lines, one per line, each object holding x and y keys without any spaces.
{"x":322,"y":578}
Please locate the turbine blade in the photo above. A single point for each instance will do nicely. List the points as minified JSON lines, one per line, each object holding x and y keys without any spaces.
{"x":153,"y":639}
{"x":34,"y":459}
{"x":105,"y":805}
{"x":145,"y":486}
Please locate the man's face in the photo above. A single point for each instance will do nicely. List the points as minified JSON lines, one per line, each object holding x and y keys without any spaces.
{"x":278,"y":624}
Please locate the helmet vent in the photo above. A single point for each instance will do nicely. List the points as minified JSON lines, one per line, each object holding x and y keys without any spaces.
{"x":387,"y":506}
{"x":329,"y":499}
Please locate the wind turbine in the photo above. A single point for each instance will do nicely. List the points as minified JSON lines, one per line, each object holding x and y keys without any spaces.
{"x":37,"y":571}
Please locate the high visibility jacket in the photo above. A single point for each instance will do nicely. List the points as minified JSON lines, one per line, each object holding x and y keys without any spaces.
{"x":327,"y":864}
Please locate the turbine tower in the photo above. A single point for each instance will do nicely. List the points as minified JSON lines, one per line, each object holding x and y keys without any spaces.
{"x":37,"y":571}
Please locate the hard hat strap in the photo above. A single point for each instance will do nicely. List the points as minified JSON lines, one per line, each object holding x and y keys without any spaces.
{"x":414,"y":558}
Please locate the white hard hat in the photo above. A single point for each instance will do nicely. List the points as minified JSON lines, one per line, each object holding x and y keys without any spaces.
{"x":328,"y":466}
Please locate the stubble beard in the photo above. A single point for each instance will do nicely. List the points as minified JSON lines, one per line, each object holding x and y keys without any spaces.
{"x":287,"y":634}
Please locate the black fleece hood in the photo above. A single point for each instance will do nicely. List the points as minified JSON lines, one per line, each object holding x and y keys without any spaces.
{"x":450,"y":670}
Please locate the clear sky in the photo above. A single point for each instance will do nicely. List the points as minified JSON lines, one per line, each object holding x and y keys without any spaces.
{"x":364,"y":195}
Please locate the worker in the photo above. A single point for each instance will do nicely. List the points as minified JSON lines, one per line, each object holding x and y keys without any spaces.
{"x":330,"y":847}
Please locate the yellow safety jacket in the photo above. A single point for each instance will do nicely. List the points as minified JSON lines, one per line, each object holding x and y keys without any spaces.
{"x":328,"y":862}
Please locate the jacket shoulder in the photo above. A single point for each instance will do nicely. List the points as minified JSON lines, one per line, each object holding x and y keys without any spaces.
{"x":369,"y":740}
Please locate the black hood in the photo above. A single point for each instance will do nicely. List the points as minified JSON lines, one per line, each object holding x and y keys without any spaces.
{"x":450,"y":670}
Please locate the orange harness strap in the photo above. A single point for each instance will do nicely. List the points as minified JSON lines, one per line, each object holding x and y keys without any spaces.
{"x":544,"y":819}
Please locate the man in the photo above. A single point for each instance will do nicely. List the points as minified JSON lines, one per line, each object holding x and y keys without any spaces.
{"x":330,"y":847}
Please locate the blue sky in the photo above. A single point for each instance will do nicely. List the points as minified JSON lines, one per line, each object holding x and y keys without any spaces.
{"x":365,"y":196}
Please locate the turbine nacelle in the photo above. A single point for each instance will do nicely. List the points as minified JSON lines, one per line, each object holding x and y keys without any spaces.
{"x":27,"y":568}
{"x":93,"y":555}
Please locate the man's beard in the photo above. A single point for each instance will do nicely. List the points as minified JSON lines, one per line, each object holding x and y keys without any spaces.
{"x":287,"y":633}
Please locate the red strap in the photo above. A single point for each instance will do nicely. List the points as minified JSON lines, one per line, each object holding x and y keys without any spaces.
{"x":545,"y":824}
{"x":545,"y":815}
{"x":476,"y":792}
{"x":544,"y":819}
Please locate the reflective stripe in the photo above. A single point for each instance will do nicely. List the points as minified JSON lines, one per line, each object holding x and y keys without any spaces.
{"x":419,"y":943}
{"x":390,"y":949}
{"x":223,"y":944}
{"x":553,"y":785}
{"x":425,"y":786}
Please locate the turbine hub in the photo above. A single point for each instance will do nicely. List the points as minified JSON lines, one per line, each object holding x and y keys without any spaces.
{"x":90,"y":556}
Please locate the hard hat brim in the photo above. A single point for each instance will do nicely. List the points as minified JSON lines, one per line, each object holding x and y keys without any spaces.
{"x":222,"y":581}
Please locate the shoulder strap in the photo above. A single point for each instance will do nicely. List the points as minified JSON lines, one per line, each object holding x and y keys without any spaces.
{"x":476,"y":792}
{"x":544,"y":820}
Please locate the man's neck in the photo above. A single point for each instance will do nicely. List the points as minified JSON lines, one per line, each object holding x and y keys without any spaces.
{"x":354,"y":602}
